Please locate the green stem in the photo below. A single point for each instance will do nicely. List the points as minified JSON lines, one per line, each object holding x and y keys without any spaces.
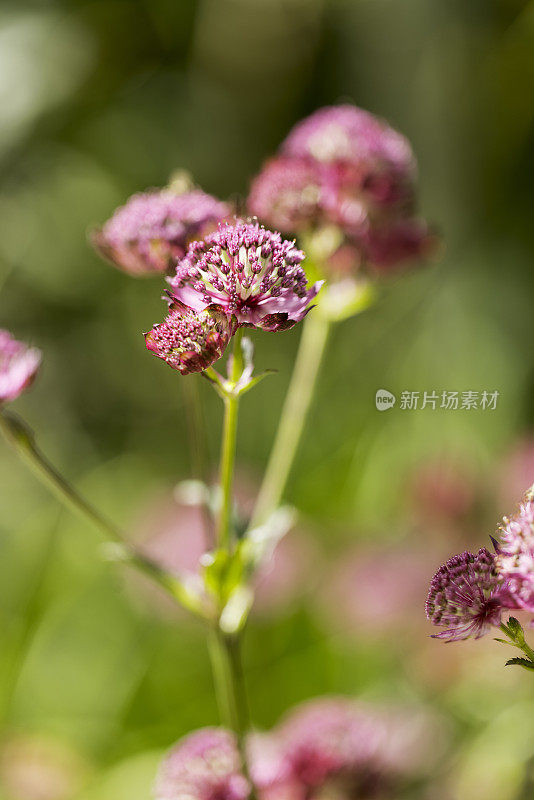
{"x":225,"y":649}
{"x":231,"y":408}
{"x":311,"y":349}
{"x":229,"y":681}
{"x":20,"y":437}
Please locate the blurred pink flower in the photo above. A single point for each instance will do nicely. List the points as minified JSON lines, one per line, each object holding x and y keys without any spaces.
{"x":339,"y":747}
{"x":343,"y":169}
{"x":251,"y":273}
{"x":153,"y":229}
{"x":204,"y":765}
{"x":327,"y":738}
{"x":18,"y":366}
{"x":189,"y":341}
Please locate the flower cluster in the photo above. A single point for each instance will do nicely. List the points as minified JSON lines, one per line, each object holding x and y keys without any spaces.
{"x":329,"y":747}
{"x":153,"y":230}
{"x":344,"y":167}
{"x":469,"y":593}
{"x":18,"y":366}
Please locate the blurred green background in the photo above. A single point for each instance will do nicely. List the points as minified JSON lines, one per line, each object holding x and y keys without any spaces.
{"x":101,"y":99}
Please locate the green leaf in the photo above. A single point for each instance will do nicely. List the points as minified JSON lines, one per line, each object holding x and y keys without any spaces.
{"x":520,"y":662}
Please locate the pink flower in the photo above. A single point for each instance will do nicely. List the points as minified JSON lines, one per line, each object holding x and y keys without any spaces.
{"x":251,"y":273}
{"x":515,"y":561}
{"x":189,"y":341}
{"x":467,"y":596}
{"x":153,"y":229}
{"x":202,"y":766}
{"x":18,"y":366}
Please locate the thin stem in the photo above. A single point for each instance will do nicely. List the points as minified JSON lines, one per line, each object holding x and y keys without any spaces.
{"x":19,"y":436}
{"x":311,"y":349}
{"x":229,"y":680}
{"x":231,"y":408}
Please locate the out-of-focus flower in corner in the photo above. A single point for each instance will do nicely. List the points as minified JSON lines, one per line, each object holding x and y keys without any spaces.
{"x":331,"y":740}
{"x":338,"y":747}
{"x":153,"y":229}
{"x":36,"y":767}
{"x":249,"y":272}
{"x":191,"y":341}
{"x":467,"y":596}
{"x":205,"y":766}
{"x":515,"y":559}
{"x":18,"y":366}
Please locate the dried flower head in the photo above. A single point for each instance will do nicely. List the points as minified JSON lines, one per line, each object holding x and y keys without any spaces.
{"x":189,"y":341}
{"x":515,"y":561}
{"x":287,"y":194}
{"x":18,"y":366}
{"x":251,"y":273}
{"x":153,"y":229}
{"x":202,"y":766}
{"x":466,"y":596}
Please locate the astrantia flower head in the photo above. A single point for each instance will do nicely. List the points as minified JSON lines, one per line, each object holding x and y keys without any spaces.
{"x":348,"y":134}
{"x":249,"y":272}
{"x":515,"y":561}
{"x":467,"y":596}
{"x":287,"y":194}
{"x":189,"y":341}
{"x":153,"y":229}
{"x":203,"y":766}
{"x":18,"y":366}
